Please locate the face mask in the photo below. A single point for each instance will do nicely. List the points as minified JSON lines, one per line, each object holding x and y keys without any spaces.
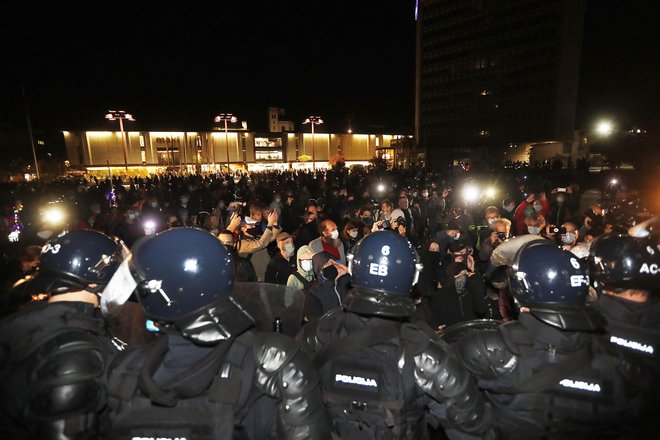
{"x":353,"y":233}
{"x":154,"y":204}
{"x":184,"y":201}
{"x":330,"y":272}
{"x":289,"y":249}
{"x":96,"y":211}
{"x":252,"y":231}
{"x":490,"y":221}
{"x":509,"y":208}
{"x":457,"y":236}
{"x":568,"y":238}
{"x":425,"y":194}
{"x":306,"y":265}
{"x":560,"y":199}
{"x":334,"y":234}
{"x":532,"y":230}
{"x":278,"y":200}
{"x":368,"y":221}
{"x":538,"y":207}
{"x":131,"y":216}
{"x":414,"y":193}
{"x":529,"y":211}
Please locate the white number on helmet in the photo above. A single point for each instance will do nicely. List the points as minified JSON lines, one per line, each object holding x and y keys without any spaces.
{"x":575,"y":263}
{"x":385,"y":250}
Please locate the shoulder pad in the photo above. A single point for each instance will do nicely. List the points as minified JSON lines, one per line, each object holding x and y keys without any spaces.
{"x":69,"y":379}
{"x":486,"y":354}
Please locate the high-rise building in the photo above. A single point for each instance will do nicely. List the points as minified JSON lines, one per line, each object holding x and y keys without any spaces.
{"x":496,"y":78}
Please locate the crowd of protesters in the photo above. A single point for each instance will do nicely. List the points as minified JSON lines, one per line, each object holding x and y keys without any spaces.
{"x":297,"y":228}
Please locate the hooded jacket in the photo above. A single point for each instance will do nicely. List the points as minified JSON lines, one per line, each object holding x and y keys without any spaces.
{"x":293,"y":281}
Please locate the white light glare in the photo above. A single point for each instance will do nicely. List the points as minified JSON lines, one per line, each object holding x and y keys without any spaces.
{"x":604,"y":128}
{"x":380,"y":187}
{"x":490,"y":193}
{"x":54,"y":215}
{"x":470,"y":193}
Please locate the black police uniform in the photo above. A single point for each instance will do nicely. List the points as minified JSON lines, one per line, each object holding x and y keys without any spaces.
{"x":380,"y":373}
{"x":53,"y":355}
{"x":549,"y":374}
{"x":52,"y":372}
{"x":210,"y":375}
{"x":618,"y":263}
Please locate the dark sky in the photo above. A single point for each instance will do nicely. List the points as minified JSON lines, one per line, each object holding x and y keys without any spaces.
{"x":176,"y":67}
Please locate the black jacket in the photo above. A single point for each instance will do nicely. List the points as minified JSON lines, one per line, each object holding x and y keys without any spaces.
{"x":450,"y":307}
{"x":279,"y":269}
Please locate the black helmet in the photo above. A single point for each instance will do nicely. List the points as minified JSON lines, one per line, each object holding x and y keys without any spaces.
{"x":74,"y":260}
{"x":384,"y":267}
{"x":182,"y":276}
{"x":624,"y":262}
{"x":554,"y":284}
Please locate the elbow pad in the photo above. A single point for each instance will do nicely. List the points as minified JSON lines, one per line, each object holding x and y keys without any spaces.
{"x":284,"y":372}
{"x":485,"y":354}
{"x":444,"y":378}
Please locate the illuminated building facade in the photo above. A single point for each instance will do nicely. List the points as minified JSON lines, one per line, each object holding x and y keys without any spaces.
{"x":158,"y":151}
{"x":496,"y":77}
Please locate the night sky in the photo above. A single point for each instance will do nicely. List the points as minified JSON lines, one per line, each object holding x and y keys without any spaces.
{"x":176,"y":67}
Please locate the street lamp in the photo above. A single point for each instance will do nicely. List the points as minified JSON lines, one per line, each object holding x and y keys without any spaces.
{"x":120,"y":115}
{"x":226,"y":117}
{"x":313,"y":120}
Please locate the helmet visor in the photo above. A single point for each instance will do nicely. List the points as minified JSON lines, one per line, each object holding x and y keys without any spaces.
{"x":119,"y":290}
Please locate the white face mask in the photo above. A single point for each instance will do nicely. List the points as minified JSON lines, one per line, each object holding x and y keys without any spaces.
{"x":457,"y":236}
{"x":334,"y":234}
{"x":490,"y":221}
{"x":353,"y":233}
{"x":509,"y":208}
{"x":306,"y":265}
{"x":568,"y":238}
{"x":537,"y":207}
{"x":289,"y":248}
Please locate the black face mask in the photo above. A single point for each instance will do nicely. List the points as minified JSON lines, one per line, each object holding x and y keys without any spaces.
{"x":369,"y":221}
{"x":330,"y":272}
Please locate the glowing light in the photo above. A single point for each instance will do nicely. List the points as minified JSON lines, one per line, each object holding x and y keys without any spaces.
{"x":604,"y":128}
{"x":552,"y":274}
{"x":381,"y":187}
{"x":490,"y":193}
{"x":54,"y":215}
{"x":470,"y":193}
{"x":614,"y":181}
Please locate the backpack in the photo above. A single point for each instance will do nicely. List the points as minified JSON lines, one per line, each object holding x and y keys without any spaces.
{"x":366,"y":395}
{"x":139,"y":409}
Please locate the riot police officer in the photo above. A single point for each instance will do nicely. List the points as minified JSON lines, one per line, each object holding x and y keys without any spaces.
{"x":380,"y":373}
{"x":53,"y":353}
{"x":625,"y":271}
{"x":210,"y":375}
{"x":547,"y":375}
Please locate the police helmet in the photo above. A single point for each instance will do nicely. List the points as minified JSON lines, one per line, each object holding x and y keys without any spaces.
{"x":384,"y":267}
{"x":183,"y":278}
{"x":624,"y":262}
{"x":73,"y":261}
{"x":180,"y":271}
{"x":553,"y":283}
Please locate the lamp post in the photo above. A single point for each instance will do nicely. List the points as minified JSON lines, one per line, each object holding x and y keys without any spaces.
{"x":120,"y":115}
{"x":225,"y":117}
{"x":313,"y":120}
